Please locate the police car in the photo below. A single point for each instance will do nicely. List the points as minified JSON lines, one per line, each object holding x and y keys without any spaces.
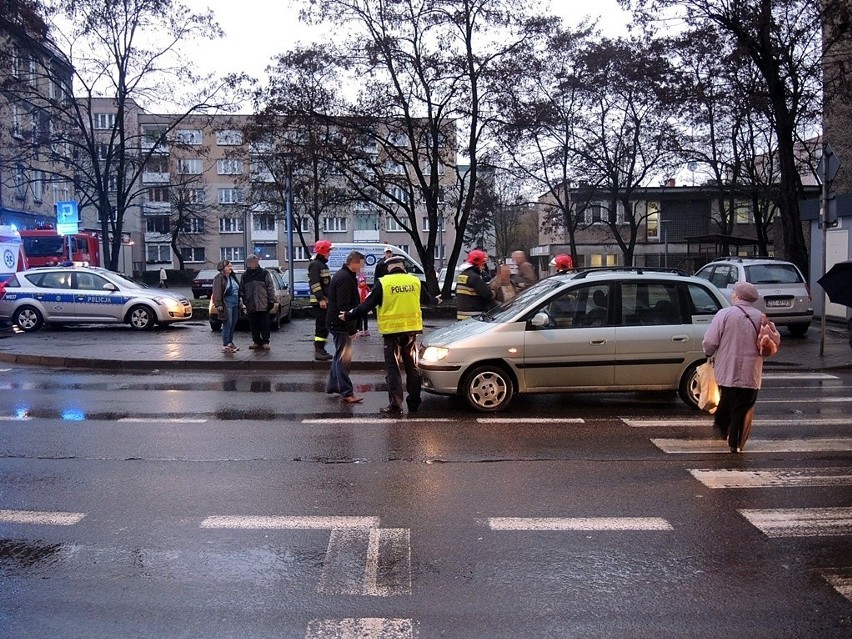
{"x":76,"y":295}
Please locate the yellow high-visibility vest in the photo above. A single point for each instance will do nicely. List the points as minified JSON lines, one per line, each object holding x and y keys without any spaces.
{"x":400,"y":308}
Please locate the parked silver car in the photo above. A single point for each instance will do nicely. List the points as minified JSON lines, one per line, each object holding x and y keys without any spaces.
{"x":77,"y":295}
{"x":598,"y":330}
{"x":784,"y":295}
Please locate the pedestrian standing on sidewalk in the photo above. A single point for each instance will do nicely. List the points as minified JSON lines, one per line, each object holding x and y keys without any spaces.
{"x":732,"y":339}
{"x":164,"y":278}
{"x":363,"y":292}
{"x":343,"y":296}
{"x":397,"y":297}
{"x":258,"y":295}
{"x":318,"y":280}
{"x":226,"y":298}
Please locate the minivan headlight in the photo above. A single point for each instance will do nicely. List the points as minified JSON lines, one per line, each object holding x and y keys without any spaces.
{"x":434,"y":354}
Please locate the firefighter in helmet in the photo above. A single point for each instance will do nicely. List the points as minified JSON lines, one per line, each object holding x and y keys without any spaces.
{"x":318,"y":279}
{"x":473,"y":295}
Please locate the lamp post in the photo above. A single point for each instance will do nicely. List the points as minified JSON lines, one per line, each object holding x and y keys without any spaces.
{"x":664,"y":225}
{"x":288,"y":209}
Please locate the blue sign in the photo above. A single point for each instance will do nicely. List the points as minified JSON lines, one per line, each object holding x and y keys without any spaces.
{"x":67,"y":218}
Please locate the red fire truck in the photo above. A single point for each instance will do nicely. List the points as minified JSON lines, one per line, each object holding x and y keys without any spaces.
{"x":44,"y":247}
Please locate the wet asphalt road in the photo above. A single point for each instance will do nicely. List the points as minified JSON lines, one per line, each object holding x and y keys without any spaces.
{"x":254,"y":506}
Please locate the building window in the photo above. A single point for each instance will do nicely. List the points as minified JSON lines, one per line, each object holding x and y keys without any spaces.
{"x":230,"y":225}
{"x":392,"y":225}
{"x":104,"y":120}
{"x":158,"y":254}
{"x":16,"y":121}
{"x":158,"y":194}
{"x":192,"y":253}
{"x":652,"y":221}
{"x":334,"y":224}
{"x":593,"y":213}
{"x":20,"y":182}
{"x":231,"y":196}
{"x":304,"y":222}
{"x":367,"y":222}
{"x":300,"y":254}
{"x":440,"y":251}
{"x":152,"y":134}
{"x":158,"y":224}
{"x":596,"y":260}
{"x":189,"y":136}
{"x":157,"y":164}
{"x":427,"y":225}
{"x":103,"y":151}
{"x":229,"y":166}
{"x":190,"y":167}
{"x":229,"y":137}
{"x":194,"y":225}
{"x":38,"y":186}
{"x":744,"y":213}
{"x":266,"y":251}
{"x":263,"y":222}
{"x":233,"y":253}
{"x":191,"y":196}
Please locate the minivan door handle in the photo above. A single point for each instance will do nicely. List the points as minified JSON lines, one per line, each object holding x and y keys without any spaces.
{"x":597,"y":342}
{"x":680,"y":338}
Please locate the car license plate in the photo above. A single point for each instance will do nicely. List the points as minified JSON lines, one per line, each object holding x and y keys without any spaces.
{"x":778,"y":303}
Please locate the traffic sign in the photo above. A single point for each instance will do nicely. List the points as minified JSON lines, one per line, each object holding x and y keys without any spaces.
{"x":829,"y":165}
{"x":67,"y":218}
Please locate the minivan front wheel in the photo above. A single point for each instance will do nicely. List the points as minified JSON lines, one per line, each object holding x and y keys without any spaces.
{"x":488,"y":388}
{"x":689,"y":389}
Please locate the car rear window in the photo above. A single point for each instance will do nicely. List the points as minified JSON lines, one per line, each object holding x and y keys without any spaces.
{"x":773,"y":274}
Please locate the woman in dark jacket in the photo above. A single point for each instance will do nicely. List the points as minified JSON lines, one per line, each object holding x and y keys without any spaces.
{"x":226,"y":299}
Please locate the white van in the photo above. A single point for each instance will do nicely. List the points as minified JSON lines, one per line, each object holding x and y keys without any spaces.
{"x":12,"y":257}
{"x":373,"y":254}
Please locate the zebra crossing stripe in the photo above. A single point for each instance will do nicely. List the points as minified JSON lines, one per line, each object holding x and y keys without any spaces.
{"x":358,"y":419}
{"x":364,"y":628}
{"x":707,"y":422}
{"x":821,"y":376}
{"x":801,"y":522}
{"x":367,"y":562}
{"x":289,"y":523}
{"x":530,"y":420}
{"x":841,"y":583}
{"x":773,"y":477}
{"x":161,"y":420}
{"x":577,"y":523}
{"x":15,"y":418}
{"x":700,"y":446}
{"x":40,"y":518}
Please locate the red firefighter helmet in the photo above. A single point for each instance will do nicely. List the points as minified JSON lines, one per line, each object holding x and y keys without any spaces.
{"x":477,"y":257}
{"x":323,"y":247}
{"x":564,"y":262}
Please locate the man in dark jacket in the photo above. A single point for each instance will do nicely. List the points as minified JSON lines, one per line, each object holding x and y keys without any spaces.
{"x":318,"y":279}
{"x":382,"y":266}
{"x":473,"y":295}
{"x":258,"y":295}
{"x":343,"y":296}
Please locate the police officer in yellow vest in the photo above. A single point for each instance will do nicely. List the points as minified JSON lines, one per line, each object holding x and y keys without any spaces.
{"x":397,"y":297}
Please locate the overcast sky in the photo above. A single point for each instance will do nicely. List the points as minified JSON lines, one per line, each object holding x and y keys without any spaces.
{"x":258,"y":29}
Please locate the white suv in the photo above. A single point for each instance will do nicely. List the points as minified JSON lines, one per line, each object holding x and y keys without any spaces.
{"x":784,"y":295}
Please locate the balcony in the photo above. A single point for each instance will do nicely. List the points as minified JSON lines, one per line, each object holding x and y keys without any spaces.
{"x":365,"y":236}
{"x":152,"y":237}
{"x":155,"y":178}
{"x":156,"y":207}
{"x":264,"y":236}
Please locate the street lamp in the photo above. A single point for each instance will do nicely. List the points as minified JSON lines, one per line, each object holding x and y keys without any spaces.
{"x":288,"y":209}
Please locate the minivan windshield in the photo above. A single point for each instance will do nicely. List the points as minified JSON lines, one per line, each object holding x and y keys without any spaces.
{"x":527,"y":299}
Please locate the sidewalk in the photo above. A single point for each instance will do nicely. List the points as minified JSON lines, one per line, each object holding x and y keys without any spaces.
{"x":193,"y":346}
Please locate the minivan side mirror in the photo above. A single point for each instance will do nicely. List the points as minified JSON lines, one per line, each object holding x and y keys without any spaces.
{"x":540,"y":319}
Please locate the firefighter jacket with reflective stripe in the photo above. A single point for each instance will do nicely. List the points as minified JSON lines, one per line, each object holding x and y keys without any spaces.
{"x":473,"y":295}
{"x":318,"y":278}
{"x":400,"y":308}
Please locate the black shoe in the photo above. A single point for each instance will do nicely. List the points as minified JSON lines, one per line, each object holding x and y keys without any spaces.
{"x":321,"y":355}
{"x":413,"y":405}
{"x":391,"y":410}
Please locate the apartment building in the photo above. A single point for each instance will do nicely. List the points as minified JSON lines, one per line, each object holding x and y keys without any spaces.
{"x":34,"y":77}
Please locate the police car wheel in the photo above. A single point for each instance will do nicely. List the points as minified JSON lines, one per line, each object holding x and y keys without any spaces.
{"x":141,"y":318}
{"x":28,"y":319}
{"x":488,"y":388}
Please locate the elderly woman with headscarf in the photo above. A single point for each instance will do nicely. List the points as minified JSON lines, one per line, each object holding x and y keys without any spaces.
{"x":732,"y":339}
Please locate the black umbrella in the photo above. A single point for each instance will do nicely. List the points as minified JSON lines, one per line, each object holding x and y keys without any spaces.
{"x":837,"y":283}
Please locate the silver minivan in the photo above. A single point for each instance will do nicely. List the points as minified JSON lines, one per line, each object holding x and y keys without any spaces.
{"x":784,"y":294}
{"x":597,"y":330}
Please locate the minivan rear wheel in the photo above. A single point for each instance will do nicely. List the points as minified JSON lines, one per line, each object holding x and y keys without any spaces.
{"x":488,"y":388}
{"x":689,"y":389}
{"x":798,"y":330}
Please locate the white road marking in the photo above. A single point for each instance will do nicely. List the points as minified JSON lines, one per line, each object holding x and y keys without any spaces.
{"x":801,"y":522}
{"x":367,"y":562}
{"x":365,"y":628}
{"x":162,"y":420}
{"x":798,"y":376}
{"x":774,"y":477}
{"x":807,"y":400}
{"x":578,"y":523}
{"x":358,"y":419}
{"x":707,"y":422}
{"x":40,"y":518}
{"x":530,"y":420}
{"x":15,"y":418}
{"x":841,"y":583}
{"x":815,"y":445}
{"x":289,"y":523}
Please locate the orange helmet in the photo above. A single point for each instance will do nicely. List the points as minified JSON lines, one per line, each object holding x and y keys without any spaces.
{"x":477,"y":257}
{"x":323,"y":247}
{"x":564,"y":262}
